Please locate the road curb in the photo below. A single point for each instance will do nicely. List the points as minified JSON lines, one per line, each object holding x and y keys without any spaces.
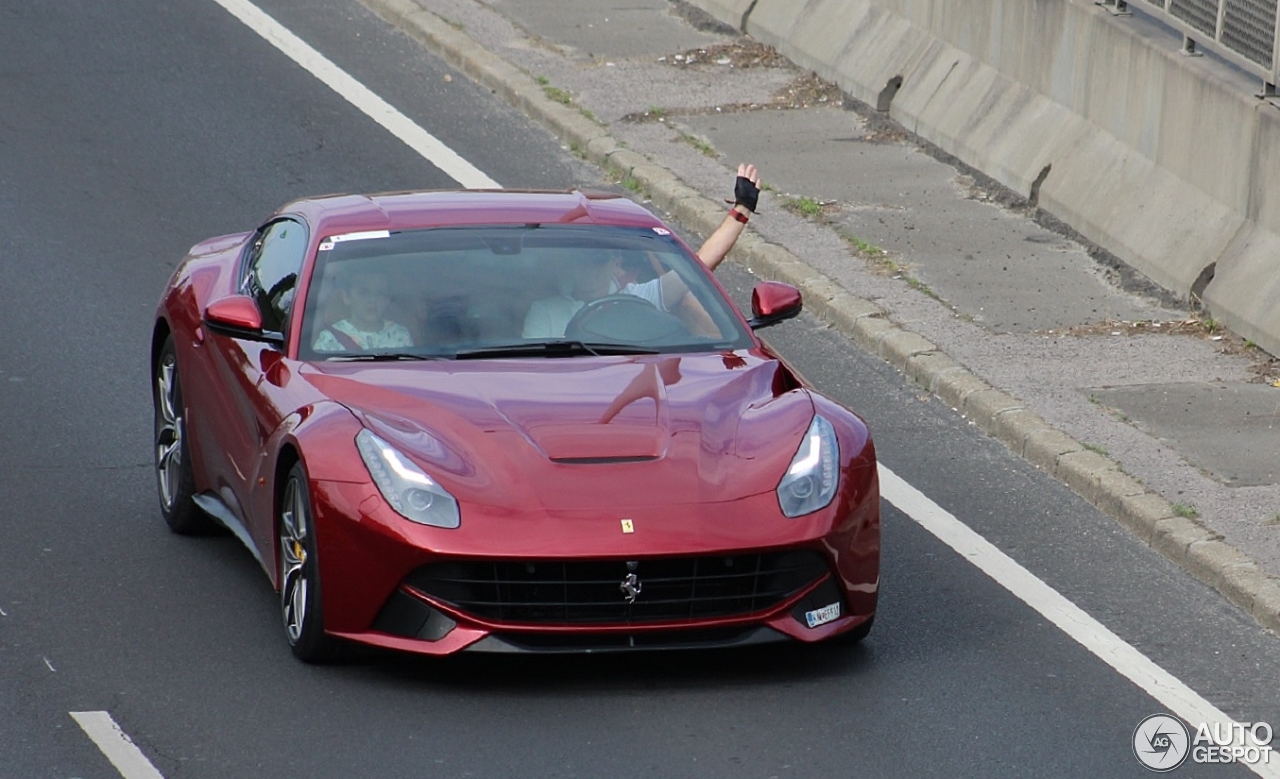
{"x":1090,"y":474}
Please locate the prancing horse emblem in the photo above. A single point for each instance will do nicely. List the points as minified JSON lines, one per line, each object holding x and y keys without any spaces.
{"x":630,"y":587}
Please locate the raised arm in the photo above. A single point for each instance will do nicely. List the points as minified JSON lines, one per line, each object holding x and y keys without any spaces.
{"x":746,"y":194}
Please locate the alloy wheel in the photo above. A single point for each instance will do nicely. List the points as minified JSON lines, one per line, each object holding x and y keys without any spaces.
{"x":294,"y":578}
{"x":169,"y":425}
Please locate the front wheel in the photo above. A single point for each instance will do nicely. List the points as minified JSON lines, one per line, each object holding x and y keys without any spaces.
{"x":300,"y":601}
{"x":175,"y":482}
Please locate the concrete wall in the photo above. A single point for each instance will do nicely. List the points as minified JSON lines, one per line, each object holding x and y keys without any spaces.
{"x":1169,"y":162}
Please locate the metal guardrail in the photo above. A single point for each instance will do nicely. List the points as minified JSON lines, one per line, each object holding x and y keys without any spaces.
{"x":1244,"y":32}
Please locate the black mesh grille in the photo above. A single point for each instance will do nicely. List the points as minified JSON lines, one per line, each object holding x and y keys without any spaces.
{"x":592,"y":593}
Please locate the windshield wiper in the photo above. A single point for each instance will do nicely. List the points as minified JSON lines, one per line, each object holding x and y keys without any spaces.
{"x":551,"y":349}
{"x":383,"y":357}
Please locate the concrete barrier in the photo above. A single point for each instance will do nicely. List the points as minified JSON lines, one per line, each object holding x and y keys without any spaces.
{"x":1170,"y":163}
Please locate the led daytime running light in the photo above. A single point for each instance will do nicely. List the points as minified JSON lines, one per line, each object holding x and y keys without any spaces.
{"x":412,"y":493}
{"x":811,"y":480}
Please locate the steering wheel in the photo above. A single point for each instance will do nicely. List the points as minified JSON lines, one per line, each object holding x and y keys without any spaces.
{"x":623,"y":318}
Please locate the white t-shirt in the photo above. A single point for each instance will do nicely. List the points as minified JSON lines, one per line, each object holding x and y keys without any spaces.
{"x":390,"y":336}
{"x":547,"y":318}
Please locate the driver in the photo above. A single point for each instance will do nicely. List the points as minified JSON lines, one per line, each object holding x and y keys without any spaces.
{"x":599,"y":277}
{"x":592,"y":279}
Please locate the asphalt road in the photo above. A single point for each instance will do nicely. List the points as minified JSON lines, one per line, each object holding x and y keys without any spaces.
{"x":130,"y":130}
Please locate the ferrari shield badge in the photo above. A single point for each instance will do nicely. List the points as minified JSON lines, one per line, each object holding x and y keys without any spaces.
{"x":628,"y":526}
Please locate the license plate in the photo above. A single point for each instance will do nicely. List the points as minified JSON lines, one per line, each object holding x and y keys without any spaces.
{"x":823,"y":615}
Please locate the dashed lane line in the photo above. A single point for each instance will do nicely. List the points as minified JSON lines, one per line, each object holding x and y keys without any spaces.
{"x":116,"y":745}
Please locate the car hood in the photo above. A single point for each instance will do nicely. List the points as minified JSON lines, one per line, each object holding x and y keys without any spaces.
{"x":584,"y":432}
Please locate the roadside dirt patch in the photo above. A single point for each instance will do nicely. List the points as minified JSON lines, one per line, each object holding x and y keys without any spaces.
{"x":805,"y":91}
{"x":1265,"y":368}
{"x":742,"y":53}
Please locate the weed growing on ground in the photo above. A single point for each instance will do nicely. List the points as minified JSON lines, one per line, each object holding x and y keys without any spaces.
{"x":804,"y":206}
{"x":920,"y":286}
{"x":557,"y":94}
{"x":864,"y":247}
{"x":699,"y":144}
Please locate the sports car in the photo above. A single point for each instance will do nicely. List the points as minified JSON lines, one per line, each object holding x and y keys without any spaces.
{"x":506,"y":421}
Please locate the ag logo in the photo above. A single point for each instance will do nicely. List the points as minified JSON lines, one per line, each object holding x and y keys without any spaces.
{"x":1160,"y":742}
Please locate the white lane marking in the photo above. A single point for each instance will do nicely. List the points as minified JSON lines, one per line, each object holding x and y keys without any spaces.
{"x":116,"y":745}
{"x":46,"y":662}
{"x":1053,"y":606}
{"x":360,"y":96}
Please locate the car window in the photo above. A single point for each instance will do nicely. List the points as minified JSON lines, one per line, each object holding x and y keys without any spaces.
{"x":457,"y":292}
{"x":272,"y":272}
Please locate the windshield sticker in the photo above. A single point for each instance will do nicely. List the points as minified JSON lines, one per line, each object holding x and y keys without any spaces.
{"x":360,"y":236}
{"x":662,"y":231}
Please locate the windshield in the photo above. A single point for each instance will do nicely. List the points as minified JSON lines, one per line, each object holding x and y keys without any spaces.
{"x":513,"y":291}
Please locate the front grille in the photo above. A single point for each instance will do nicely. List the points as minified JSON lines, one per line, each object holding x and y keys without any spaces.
{"x":567,"y":593}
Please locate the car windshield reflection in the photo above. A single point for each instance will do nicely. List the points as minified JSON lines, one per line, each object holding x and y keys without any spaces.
{"x":505,"y":292}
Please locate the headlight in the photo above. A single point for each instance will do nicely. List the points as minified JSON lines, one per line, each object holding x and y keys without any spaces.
{"x":810,"y":481}
{"x":412,"y":493}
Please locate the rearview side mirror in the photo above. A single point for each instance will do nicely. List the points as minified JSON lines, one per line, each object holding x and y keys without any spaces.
{"x":773,"y":302}
{"x":238,"y":316}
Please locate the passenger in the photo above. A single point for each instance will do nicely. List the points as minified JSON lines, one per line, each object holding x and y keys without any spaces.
{"x":596,"y":278}
{"x":366,"y":328}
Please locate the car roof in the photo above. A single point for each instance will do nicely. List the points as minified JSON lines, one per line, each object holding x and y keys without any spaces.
{"x":337,"y":214}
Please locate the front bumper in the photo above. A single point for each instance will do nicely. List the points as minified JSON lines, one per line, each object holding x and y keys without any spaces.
{"x":726,"y":575}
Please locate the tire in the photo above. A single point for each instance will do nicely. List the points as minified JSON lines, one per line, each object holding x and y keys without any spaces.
{"x":175,"y":483}
{"x":301,"y":608}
